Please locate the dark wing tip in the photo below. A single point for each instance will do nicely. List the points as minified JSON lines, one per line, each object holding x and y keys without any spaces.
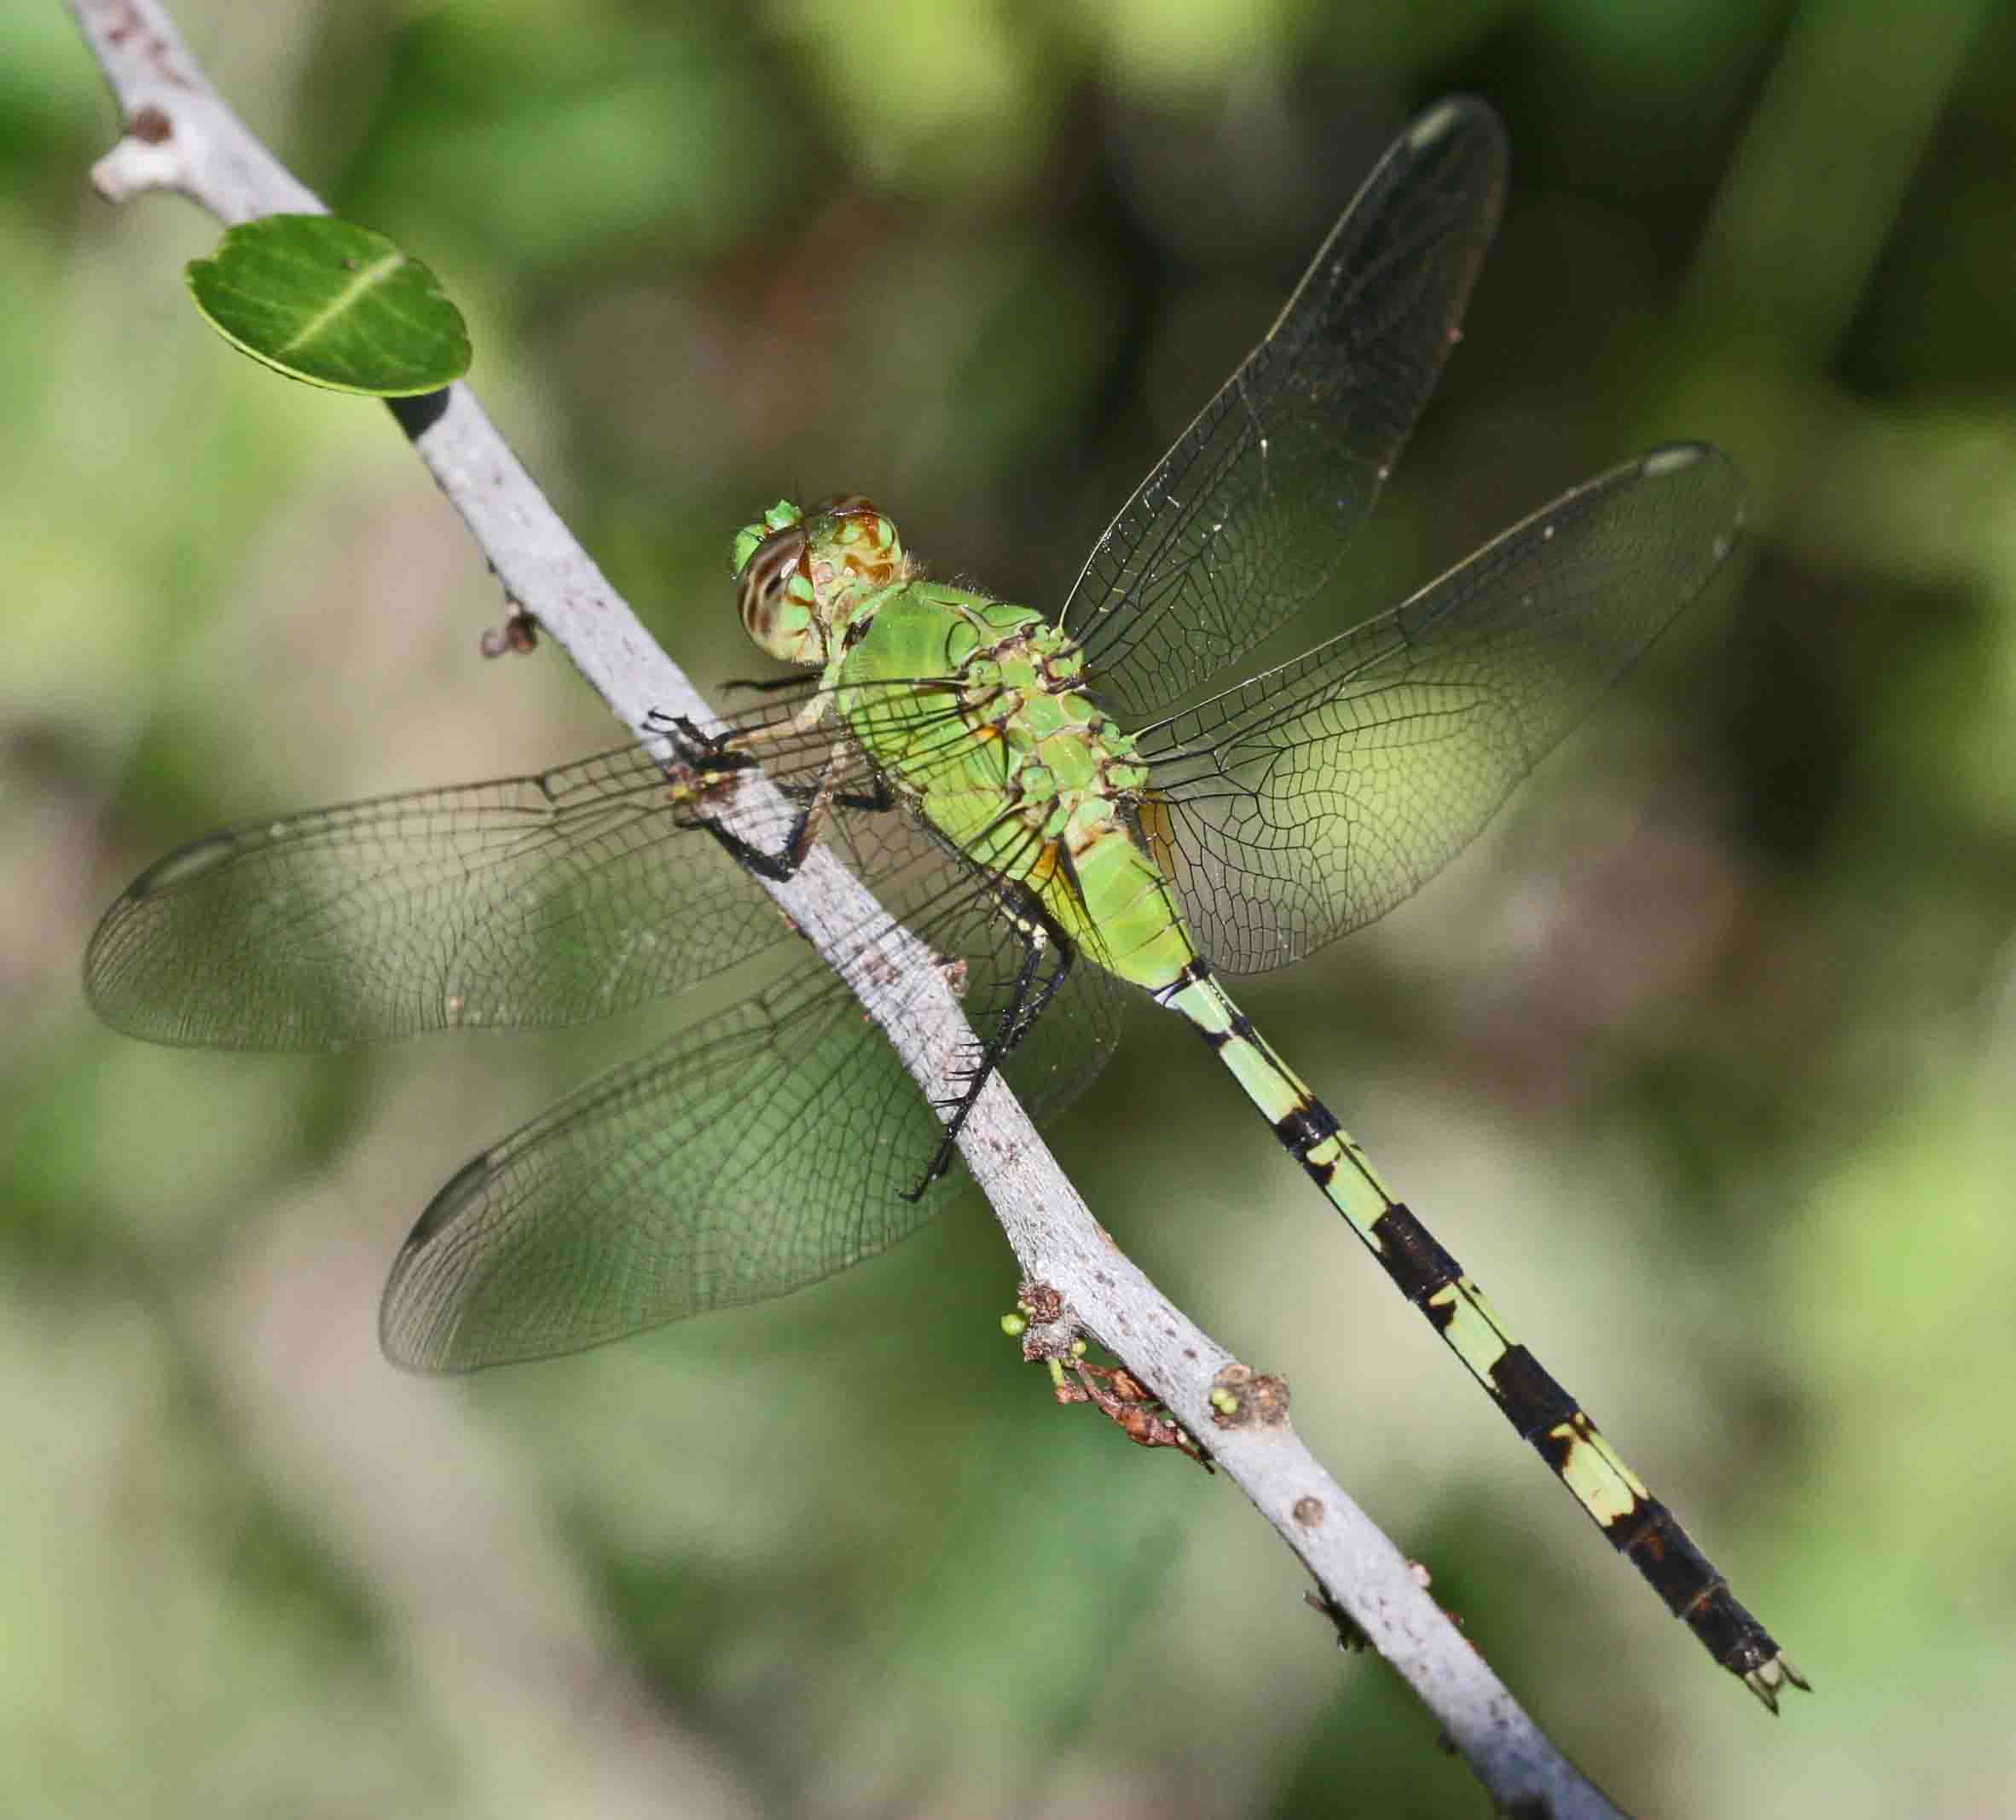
{"x":1717,"y":480}
{"x":187,"y":862}
{"x":1470,"y":125}
{"x":417,"y":1316}
{"x":117,"y":970}
{"x":1455,"y":113}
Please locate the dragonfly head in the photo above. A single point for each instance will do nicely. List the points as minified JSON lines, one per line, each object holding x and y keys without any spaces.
{"x":802,"y":580}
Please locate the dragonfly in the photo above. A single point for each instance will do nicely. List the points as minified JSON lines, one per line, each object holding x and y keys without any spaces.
{"x":1066,"y":809}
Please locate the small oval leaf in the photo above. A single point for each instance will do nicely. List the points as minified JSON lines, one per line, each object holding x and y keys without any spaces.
{"x":332,"y":304}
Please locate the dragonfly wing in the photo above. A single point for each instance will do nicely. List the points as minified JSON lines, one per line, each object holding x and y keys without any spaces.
{"x":532,"y":901}
{"x":1311,"y":799}
{"x":1242,"y":521}
{"x":760,"y":1151}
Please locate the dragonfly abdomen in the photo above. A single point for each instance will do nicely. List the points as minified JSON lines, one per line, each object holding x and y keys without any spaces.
{"x":1636,"y":1523}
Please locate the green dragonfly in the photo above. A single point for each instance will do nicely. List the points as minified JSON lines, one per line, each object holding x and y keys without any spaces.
{"x":1043,"y":800}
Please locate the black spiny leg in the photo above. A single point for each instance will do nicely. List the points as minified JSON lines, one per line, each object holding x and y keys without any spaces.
{"x":713,"y":759}
{"x":1026,"y":1003}
{"x":878,"y":801}
{"x":766,"y":685}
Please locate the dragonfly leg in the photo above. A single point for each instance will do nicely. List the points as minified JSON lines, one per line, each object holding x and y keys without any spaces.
{"x":1032,"y":990}
{"x":879,"y":801}
{"x":730,"y":751}
{"x":766,"y":685}
{"x":815,"y":800}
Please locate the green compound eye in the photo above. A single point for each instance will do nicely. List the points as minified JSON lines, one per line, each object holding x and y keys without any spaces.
{"x":780,"y":517}
{"x":780,"y":606}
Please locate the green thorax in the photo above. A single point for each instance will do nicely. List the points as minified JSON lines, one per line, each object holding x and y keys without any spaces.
{"x":977,"y":710}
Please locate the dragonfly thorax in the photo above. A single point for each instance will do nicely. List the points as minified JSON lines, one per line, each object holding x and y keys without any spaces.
{"x":1058,"y":747}
{"x":803,"y":581}
{"x":977,"y":710}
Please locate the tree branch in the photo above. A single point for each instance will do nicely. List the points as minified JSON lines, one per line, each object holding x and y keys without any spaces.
{"x":180,"y":136}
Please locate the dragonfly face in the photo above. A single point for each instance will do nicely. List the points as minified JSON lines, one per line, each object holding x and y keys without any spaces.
{"x":802,"y":580}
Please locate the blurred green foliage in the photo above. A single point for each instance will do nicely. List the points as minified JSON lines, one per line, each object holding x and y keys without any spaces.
{"x":1702,"y":1063}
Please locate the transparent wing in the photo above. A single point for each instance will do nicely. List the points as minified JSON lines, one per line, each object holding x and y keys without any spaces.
{"x":530,"y":901}
{"x":1243,"y":520}
{"x":760,"y":1151}
{"x":756,"y":1153}
{"x":1311,"y":799}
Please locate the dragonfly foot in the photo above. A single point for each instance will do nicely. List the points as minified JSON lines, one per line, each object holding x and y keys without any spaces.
{"x":1351,"y":1635}
{"x":940,"y":1161}
{"x":697,"y":750}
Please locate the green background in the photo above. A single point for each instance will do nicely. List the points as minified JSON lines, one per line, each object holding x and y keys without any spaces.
{"x":1702,"y":1060}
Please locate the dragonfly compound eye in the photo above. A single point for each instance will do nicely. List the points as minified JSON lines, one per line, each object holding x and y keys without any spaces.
{"x":780,"y":606}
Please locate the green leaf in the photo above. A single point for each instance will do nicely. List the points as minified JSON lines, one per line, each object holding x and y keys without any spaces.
{"x":332,"y":304}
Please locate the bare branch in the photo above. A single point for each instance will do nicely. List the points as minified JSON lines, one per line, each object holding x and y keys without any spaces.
{"x":180,"y":137}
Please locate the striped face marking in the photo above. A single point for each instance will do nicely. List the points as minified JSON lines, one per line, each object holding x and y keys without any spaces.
{"x":774,"y":591}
